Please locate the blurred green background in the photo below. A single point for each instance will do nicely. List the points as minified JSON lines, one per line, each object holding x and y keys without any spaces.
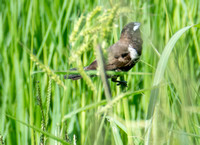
{"x":39,"y":37}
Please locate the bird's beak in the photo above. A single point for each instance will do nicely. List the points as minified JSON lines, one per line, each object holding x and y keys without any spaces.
{"x":136,"y":26}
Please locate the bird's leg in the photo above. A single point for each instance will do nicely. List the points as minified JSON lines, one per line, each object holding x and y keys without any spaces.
{"x":122,"y":83}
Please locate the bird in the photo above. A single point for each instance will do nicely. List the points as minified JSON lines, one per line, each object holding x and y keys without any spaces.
{"x":122,"y":55}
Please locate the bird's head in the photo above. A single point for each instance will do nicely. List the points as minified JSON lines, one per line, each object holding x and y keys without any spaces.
{"x":131,"y":30}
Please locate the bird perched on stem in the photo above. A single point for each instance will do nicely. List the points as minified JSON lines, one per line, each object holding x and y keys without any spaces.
{"x":123,"y":55}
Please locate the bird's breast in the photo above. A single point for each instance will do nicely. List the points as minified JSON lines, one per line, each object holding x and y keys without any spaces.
{"x":133,"y":53}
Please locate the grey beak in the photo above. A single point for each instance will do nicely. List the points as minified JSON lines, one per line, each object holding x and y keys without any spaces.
{"x":136,"y":26}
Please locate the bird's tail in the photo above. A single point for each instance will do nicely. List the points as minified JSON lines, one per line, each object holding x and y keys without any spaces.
{"x":92,"y":66}
{"x":76,"y":76}
{"x":73,"y":76}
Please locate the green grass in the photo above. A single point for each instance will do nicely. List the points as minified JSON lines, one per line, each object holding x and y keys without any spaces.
{"x":41,"y":40}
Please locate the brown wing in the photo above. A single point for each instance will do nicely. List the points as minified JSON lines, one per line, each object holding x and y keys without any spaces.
{"x":119,"y":57}
{"x":92,"y":66}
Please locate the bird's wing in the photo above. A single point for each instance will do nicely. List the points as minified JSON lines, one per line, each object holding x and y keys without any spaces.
{"x":92,"y":66}
{"x":119,"y":57}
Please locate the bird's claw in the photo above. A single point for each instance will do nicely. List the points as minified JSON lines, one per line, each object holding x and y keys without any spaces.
{"x":122,"y":83}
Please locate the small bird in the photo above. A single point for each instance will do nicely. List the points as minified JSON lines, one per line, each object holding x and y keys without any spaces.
{"x":122,"y":55}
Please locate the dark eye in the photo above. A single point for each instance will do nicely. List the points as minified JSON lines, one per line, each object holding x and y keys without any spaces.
{"x":124,"y":55}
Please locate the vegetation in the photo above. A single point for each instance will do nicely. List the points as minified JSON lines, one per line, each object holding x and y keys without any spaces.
{"x":41,"y":40}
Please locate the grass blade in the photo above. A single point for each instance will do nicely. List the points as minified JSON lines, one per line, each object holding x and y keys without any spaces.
{"x":162,"y":66}
{"x":39,"y":130}
{"x":159,"y":75}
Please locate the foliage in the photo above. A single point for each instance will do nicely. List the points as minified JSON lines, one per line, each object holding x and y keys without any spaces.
{"x":54,"y":36}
